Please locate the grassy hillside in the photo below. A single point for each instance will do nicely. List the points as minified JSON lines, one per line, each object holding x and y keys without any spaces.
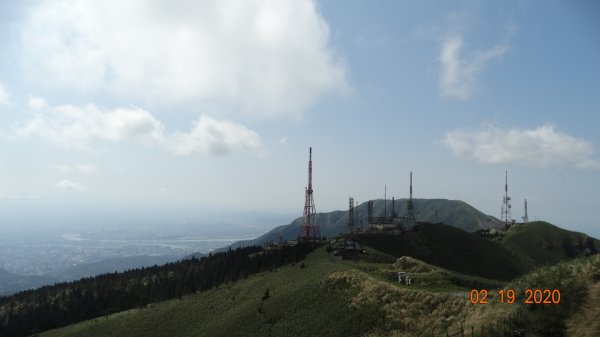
{"x":576,"y":314}
{"x":545,"y":244}
{"x":452,"y":212}
{"x":453,"y":249}
{"x":65,"y":303}
{"x":326,"y":296}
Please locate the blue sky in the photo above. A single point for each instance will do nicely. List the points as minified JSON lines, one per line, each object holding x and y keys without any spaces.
{"x":188,"y":108}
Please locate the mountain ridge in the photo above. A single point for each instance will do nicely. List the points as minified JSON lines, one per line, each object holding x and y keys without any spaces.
{"x":456,"y":213}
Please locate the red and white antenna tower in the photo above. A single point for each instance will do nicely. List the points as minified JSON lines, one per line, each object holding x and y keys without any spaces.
{"x":309,"y":230}
{"x":506,"y":217}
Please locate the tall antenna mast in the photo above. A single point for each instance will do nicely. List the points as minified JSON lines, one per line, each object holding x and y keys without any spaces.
{"x":351,"y":215}
{"x":506,"y":216}
{"x":309,"y":230}
{"x":310,"y":190}
{"x":410,"y":219}
{"x":411,"y":186}
{"x":384,"y":200}
{"x":525,"y":217}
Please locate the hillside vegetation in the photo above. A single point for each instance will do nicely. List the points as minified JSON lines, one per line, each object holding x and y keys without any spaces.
{"x":54,"y":306}
{"x":579,"y":290}
{"x":324,"y":296}
{"x":545,"y":244}
{"x":453,"y":249}
{"x":327,"y":296}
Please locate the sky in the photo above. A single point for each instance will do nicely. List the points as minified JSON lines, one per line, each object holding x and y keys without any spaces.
{"x":142,"y":110}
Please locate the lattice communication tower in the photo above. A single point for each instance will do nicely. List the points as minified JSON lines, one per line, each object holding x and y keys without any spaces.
{"x":506,"y":216}
{"x":309,"y":229}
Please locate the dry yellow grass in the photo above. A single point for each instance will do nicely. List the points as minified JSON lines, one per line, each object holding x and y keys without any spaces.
{"x":585,"y":322}
{"x":405,"y":310}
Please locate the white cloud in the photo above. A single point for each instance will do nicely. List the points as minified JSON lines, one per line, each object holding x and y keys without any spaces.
{"x":79,"y":127}
{"x":36,"y":103}
{"x":86,"y":168}
{"x":71,"y":186}
{"x":267,"y":57}
{"x":458,"y":76}
{"x":81,"y":168}
{"x":82,"y":127}
{"x":4,"y":96}
{"x":19,"y":197}
{"x":215,"y":137}
{"x":540,"y":147}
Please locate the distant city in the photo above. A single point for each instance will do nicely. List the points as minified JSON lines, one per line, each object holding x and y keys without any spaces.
{"x":43,"y":257}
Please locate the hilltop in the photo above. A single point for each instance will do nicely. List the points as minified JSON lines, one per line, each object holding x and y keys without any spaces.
{"x":545,"y":244}
{"x":455,"y":213}
{"x":451,"y":248}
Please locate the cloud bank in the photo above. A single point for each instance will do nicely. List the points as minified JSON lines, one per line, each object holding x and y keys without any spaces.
{"x":541,"y":147}
{"x":81,"y":168}
{"x":267,"y":58}
{"x":71,"y":186}
{"x":84,"y":127}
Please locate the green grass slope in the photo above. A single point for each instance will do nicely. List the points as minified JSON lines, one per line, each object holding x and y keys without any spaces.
{"x":453,"y":249}
{"x":545,"y":244}
{"x":297,"y":305}
{"x":323,"y":296}
{"x":332,"y":297}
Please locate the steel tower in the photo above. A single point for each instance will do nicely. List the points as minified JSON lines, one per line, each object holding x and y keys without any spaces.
{"x":410,"y":219}
{"x":309,"y":230}
{"x":350,"y":215}
{"x":525,"y":217}
{"x":506,"y":216}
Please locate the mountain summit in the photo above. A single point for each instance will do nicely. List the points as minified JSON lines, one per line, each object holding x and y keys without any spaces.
{"x":455,"y":213}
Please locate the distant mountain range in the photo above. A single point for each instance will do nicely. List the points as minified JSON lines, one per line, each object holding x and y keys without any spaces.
{"x":455,"y":213}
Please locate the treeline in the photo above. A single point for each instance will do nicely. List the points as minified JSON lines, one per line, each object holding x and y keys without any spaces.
{"x":50,"y":307}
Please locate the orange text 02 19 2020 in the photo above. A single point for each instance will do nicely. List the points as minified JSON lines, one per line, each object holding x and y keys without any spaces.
{"x":530,"y":296}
